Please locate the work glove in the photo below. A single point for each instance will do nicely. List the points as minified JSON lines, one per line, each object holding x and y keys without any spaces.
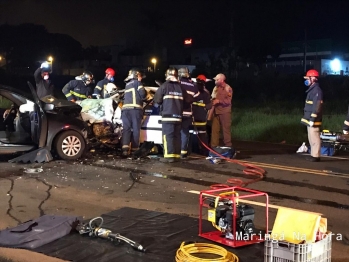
{"x":45,"y":65}
{"x":345,"y":132}
{"x":311,"y":123}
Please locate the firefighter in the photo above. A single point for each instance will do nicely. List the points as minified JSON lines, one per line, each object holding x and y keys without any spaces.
{"x":202,"y":103}
{"x":312,"y":117}
{"x":170,"y":96}
{"x":100,"y":90}
{"x":132,"y":111}
{"x":79,"y":88}
{"x":346,"y":124}
{"x":44,"y":86}
{"x":189,"y":86}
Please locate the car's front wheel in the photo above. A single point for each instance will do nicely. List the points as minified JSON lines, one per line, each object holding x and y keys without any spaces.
{"x":70,"y":145}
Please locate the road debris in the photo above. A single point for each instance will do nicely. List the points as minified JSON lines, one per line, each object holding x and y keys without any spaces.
{"x":33,"y":170}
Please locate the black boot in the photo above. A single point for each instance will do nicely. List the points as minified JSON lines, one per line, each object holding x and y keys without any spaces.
{"x":312,"y":159}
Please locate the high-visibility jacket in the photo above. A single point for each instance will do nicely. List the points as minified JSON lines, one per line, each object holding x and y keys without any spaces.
{"x":100,"y":89}
{"x":189,"y":86}
{"x":76,"y":90}
{"x":170,"y":96}
{"x":134,"y":95}
{"x":313,"y":106}
{"x":201,"y":104}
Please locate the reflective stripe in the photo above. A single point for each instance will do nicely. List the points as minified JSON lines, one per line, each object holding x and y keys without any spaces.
{"x":131,"y":105}
{"x":100,"y":88}
{"x":171,"y":119}
{"x":165,"y":146}
{"x":133,"y":95}
{"x":68,"y":95}
{"x":187,"y":113}
{"x":307,"y":122}
{"x":199,"y":123}
{"x":125,"y":146}
{"x":173,"y":97}
{"x":198,"y":104}
{"x":313,"y":115}
{"x":78,"y":95}
{"x":309,"y":102}
{"x":184,"y":152}
{"x":346,"y":123}
{"x":172,"y":155}
{"x":140,"y":87}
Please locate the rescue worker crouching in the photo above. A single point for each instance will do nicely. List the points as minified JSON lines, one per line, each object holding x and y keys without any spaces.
{"x":100,"y":91}
{"x":170,"y":96}
{"x":312,"y":117}
{"x":79,"y":88}
{"x":202,"y":103}
{"x":191,"y":89}
{"x":132,"y":111}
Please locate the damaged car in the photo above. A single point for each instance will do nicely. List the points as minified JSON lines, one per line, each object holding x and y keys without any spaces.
{"x":40,"y":128}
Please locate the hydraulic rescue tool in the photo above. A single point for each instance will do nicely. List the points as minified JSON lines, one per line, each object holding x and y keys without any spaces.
{"x":93,"y":229}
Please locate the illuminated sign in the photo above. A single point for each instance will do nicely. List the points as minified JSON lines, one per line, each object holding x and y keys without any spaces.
{"x":188,"y":41}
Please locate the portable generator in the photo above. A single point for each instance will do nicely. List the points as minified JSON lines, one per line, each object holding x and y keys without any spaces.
{"x":221,"y":215}
{"x":231,"y":215}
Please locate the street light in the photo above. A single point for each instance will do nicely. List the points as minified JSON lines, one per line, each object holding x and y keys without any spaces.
{"x":50,"y":59}
{"x":154,"y":62}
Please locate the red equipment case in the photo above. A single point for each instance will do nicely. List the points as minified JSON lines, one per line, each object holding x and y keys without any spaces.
{"x":231,"y":193}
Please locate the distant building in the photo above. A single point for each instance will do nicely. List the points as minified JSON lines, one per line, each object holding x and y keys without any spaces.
{"x":321,"y":55}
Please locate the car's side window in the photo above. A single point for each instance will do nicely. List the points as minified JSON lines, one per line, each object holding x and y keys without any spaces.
{"x":4,"y":102}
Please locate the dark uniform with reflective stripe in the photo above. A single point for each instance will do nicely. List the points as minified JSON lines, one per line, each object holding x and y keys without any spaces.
{"x":171,"y":96}
{"x":100,"y":91}
{"x":77,"y":90}
{"x":313,"y":106}
{"x":191,"y":89}
{"x":201,"y":105}
{"x":132,"y":114}
{"x":313,"y":113}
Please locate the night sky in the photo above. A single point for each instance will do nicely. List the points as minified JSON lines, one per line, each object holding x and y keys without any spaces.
{"x":106,"y":22}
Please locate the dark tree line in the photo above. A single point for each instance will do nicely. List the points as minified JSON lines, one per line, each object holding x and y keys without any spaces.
{"x":27,"y":45}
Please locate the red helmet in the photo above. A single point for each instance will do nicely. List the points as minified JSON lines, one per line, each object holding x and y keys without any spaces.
{"x":312,"y":72}
{"x":110,"y":71}
{"x":201,"y":77}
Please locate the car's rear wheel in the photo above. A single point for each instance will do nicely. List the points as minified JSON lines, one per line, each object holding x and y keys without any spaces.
{"x":70,"y":145}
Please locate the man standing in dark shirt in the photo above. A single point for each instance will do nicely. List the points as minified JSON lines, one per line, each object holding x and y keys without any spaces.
{"x":44,"y":87}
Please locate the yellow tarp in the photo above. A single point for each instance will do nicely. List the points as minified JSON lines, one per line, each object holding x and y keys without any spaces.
{"x":296,"y":226}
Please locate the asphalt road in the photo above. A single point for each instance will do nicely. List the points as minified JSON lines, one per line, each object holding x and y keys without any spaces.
{"x":101,"y":182}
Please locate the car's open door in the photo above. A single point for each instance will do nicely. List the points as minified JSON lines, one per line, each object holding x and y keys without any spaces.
{"x":39,"y":127}
{"x":38,"y":120}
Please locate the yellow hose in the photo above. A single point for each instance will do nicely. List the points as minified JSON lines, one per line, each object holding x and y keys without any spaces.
{"x":184,"y":253}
